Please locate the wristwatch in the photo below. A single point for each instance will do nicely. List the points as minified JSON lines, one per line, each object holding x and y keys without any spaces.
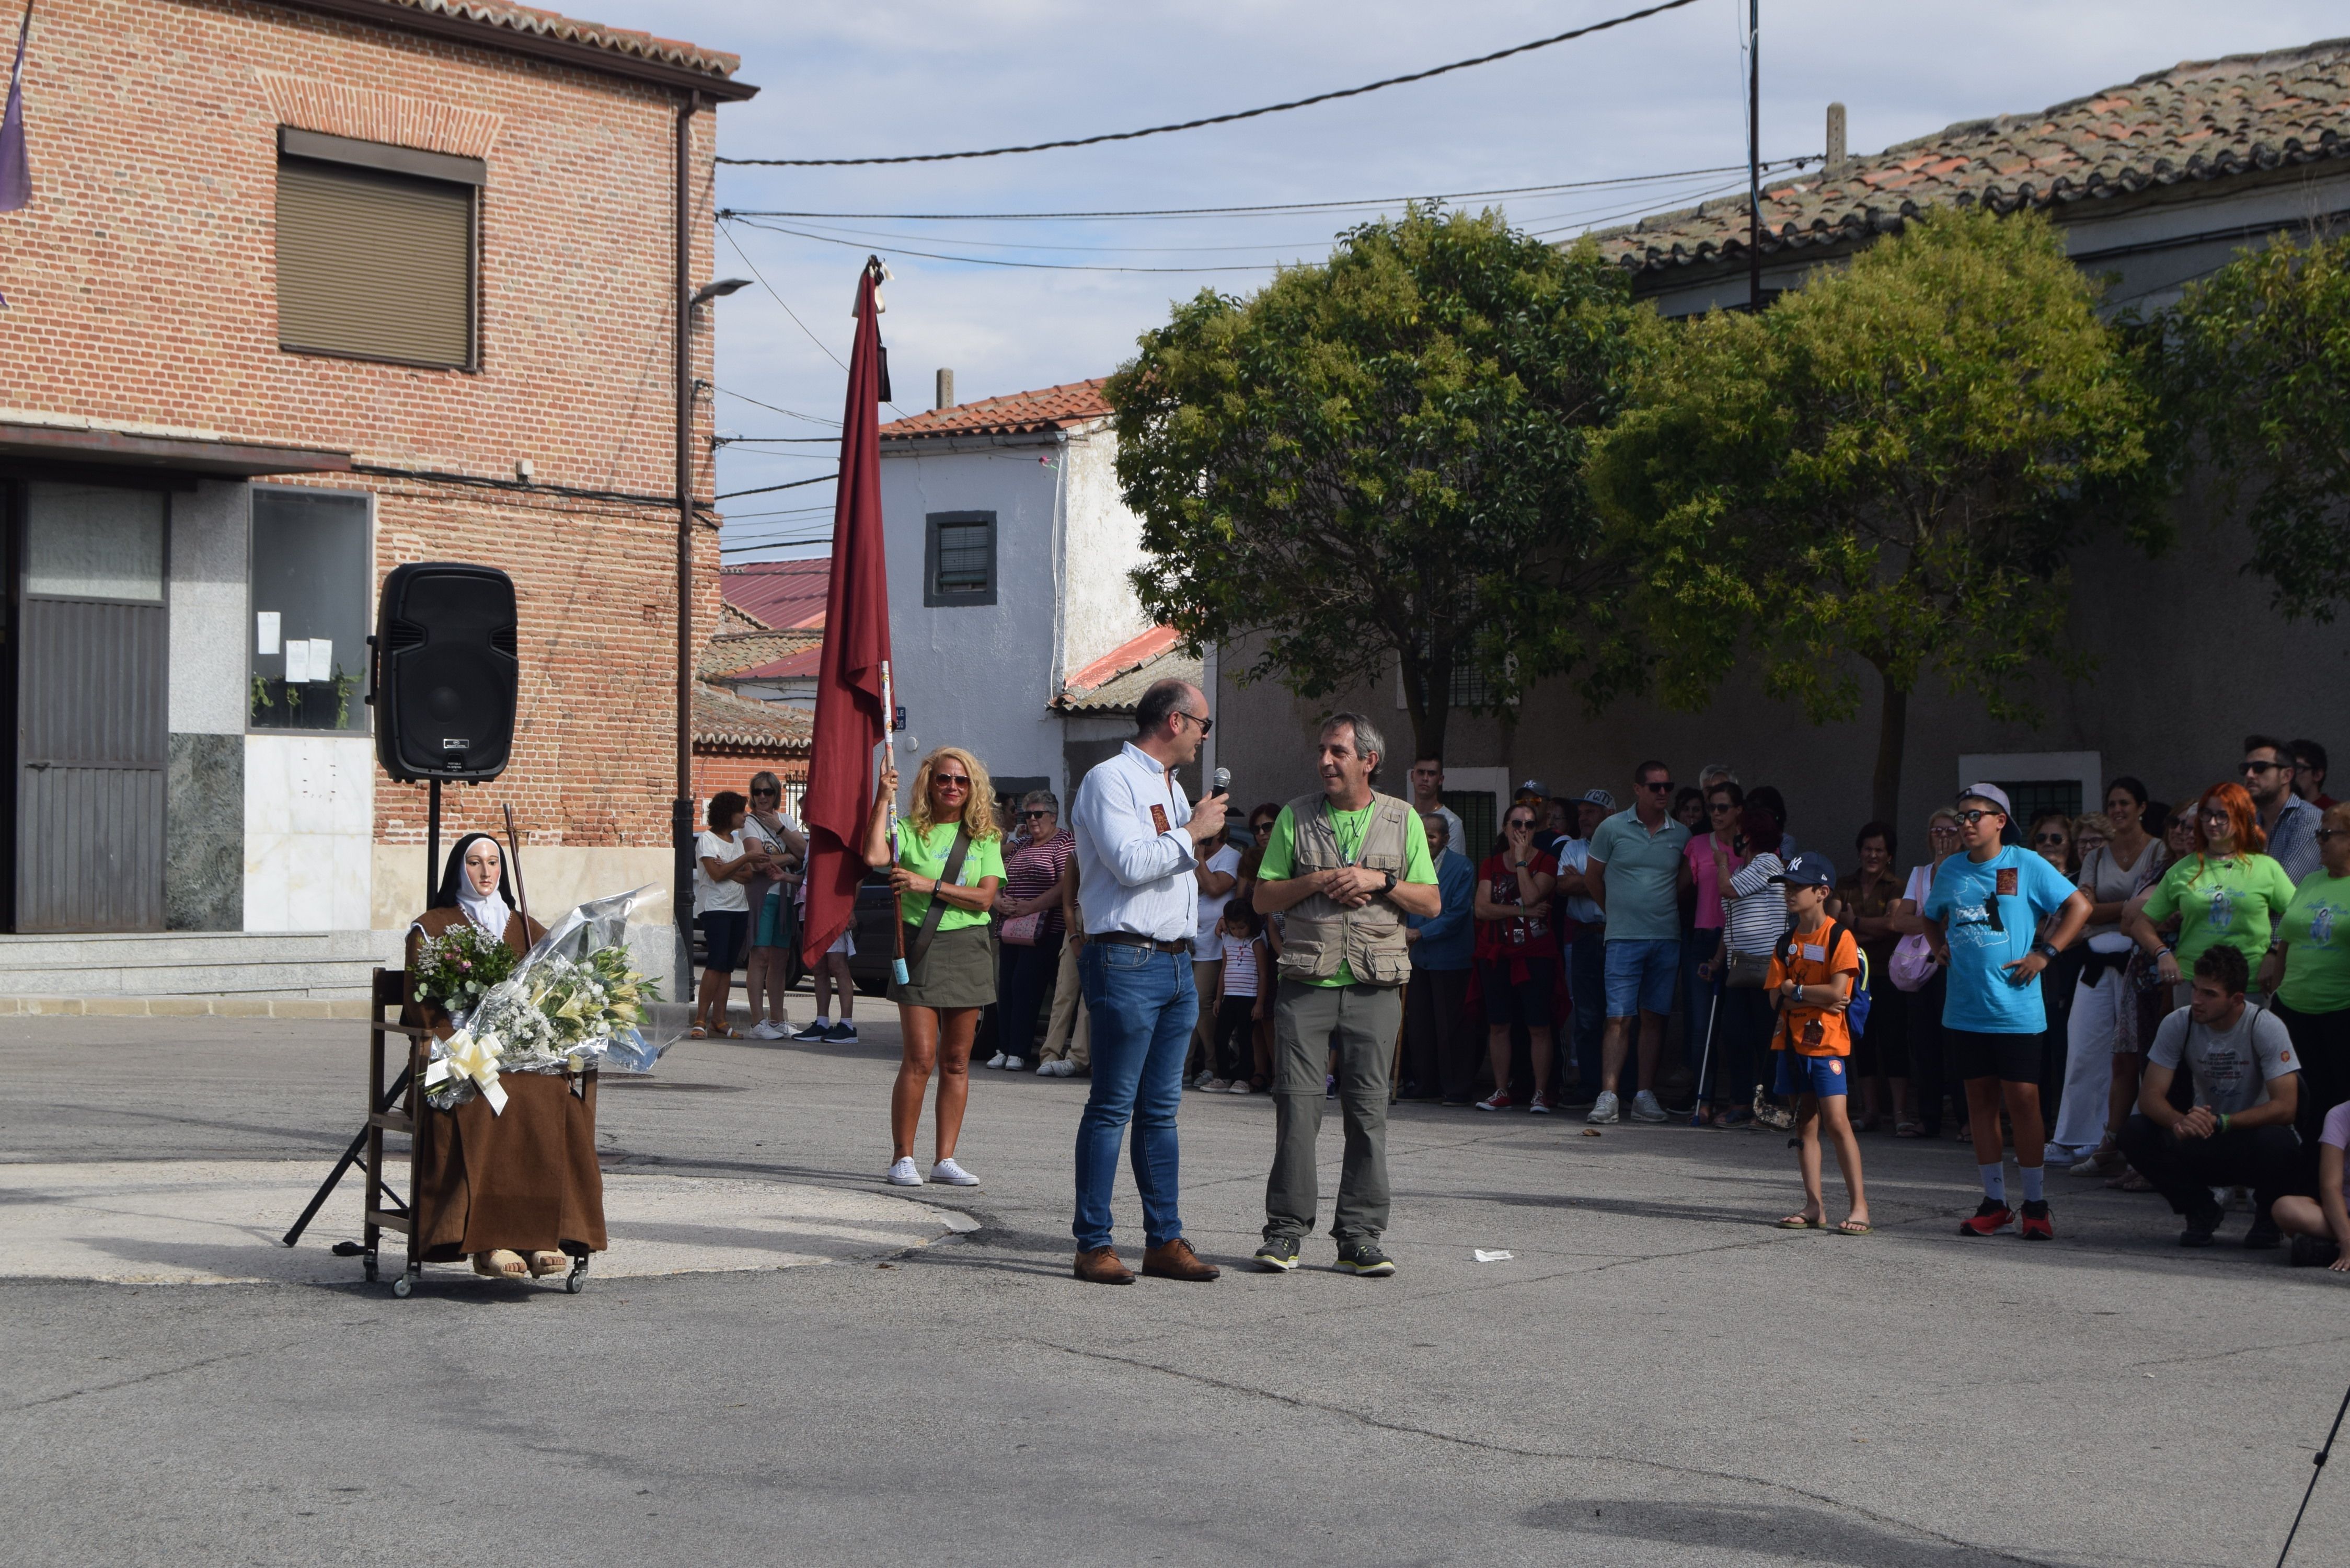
{"x":2046,"y":949}
{"x":1391,"y":882}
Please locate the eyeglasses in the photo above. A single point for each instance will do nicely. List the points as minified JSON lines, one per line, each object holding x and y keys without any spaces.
{"x":1034,"y":815}
{"x":2049,"y":838}
{"x":2215,"y":815}
{"x":2263,"y":767}
{"x":950,"y":781}
{"x":1205,"y":724}
{"x":1721,"y":808}
{"x":1662,"y":786}
{"x":1519,"y":822}
{"x":1972,"y":815}
{"x":2328,"y":834}
{"x":1944,"y":830}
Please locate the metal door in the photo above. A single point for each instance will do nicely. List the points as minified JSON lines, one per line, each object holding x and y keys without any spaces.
{"x":92,"y":668}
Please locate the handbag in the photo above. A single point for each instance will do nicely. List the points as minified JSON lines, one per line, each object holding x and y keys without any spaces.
{"x":1022,"y":930}
{"x":1913,"y":962}
{"x":1746,"y":972}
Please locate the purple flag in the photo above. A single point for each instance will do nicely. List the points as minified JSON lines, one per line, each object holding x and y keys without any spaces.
{"x":15,"y":170}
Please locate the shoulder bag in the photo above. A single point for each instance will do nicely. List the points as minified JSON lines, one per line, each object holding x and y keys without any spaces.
{"x":917,"y":950}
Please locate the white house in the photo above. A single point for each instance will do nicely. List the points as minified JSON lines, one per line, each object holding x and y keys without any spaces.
{"x":1014,"y":630}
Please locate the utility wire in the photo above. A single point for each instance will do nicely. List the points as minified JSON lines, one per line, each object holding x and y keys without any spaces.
{"x":774,"y":409}
{"x":1228,"y":119}
{"x":1276,"y":208}
{"x":764,"y":489}
{"x":994,"y":261}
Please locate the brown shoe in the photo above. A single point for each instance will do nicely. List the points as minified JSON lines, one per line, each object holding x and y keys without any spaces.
{"x":1176,"y":1261}
{"x":1101,"y":1267}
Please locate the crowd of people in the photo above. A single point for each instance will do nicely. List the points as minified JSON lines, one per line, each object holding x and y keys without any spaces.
{"x":2153,"y":995}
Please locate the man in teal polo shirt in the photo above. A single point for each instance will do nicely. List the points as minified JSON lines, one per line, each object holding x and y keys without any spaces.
{"x":1637,"y":873}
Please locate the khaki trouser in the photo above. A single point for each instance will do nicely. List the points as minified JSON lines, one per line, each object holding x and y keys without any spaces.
{"x":1205,"y":973}
{"x":1361,"y":1022}
{"x":1070,"y":1032}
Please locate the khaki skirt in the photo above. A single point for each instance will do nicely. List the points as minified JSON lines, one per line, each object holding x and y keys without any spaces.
{"x":958,"y":971}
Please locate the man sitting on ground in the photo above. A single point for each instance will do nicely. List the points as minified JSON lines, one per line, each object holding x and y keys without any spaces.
{"x":2247,"y":1087}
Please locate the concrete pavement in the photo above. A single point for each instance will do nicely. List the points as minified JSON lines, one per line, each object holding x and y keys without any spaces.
{"x":1656,"y":1376}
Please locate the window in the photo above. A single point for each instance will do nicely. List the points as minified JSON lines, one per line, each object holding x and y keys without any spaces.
{"x":312,"y":574}
{"x":89,"y":542}
{"x":1474,"y":808}
{"x":959,"y":558}
{"x":375,"y":250}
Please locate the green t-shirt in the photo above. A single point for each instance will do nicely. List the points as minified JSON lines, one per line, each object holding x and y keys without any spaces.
{"x":2317,"y":963}
{"x":1644,"y":868}
{"x":925,"y":855}
{"x":1347,"y":827}
{"x":2233,"y":901}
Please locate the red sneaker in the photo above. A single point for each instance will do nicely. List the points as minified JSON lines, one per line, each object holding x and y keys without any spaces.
{"x":1988,"y":1221}
{"x":2033,"y":1225}
{"x":1499,"y":1100}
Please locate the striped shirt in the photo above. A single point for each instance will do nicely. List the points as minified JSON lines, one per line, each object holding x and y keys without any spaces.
{"x":1758,"y":912}
{"x":1033,"y":870}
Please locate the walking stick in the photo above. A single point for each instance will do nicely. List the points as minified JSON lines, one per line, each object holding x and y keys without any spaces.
{"x":1705,"y":1058}
{"x":897,"y":901}
{"x":2317,"y":1468}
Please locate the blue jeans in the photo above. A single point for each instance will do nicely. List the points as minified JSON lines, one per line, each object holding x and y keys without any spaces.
{"x":1142,"y":1006}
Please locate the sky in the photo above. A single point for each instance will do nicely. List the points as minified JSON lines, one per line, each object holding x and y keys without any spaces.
{"x":1661,"y":96}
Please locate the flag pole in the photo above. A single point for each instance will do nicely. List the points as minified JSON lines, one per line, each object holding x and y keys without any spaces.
{"x":897,"y":901}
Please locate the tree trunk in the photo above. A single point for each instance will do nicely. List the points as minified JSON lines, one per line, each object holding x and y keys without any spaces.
{"x":1427,"y":715}
{"x":1892,"y":732}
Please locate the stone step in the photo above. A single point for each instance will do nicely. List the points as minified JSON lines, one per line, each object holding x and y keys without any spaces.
{"x":337,"y":964}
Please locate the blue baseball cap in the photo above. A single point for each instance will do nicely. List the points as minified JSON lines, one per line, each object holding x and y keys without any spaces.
{"x":1809,"y":870}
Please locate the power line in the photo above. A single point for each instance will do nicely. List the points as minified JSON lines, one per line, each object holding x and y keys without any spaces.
{"x":1273,"y":208}
{"x":994,"y":261}
{"x":773,"y":409}
{"x":782,"y":301}
{"x":764,"y":489}
{"x":1228,"y":119}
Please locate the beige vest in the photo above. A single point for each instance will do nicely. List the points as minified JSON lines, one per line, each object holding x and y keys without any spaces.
{"x":1317,"y":934}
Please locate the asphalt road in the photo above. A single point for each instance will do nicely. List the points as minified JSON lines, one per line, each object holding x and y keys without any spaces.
{"x":1656,"y":1376}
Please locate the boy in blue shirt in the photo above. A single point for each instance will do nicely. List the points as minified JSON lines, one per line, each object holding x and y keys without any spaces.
{"x":1983,"y":919}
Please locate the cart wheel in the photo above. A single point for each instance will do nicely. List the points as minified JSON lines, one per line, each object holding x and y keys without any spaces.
{"x":574,"y":1281}
{"x":401,"y":1286}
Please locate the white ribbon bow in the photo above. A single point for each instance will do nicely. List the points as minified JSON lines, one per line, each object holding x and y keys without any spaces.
{"x":464,"y":1056}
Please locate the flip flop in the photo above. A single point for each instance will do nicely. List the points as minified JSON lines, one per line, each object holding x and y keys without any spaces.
{"x":1855,"y":1227}
{"x":1797,"y":1222}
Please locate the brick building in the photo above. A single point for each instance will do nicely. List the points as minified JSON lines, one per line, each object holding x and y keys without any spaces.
{"x":308,"y":289}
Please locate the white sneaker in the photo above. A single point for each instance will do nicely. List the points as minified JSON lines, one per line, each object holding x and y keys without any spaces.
{"x":997,"y":1059}
{"x":1044,"y":1069}
{"x":1241,"y":1087}
{"x":1603,"y":1110}
{"x":1218,"y":1087}
{"x":1065,"y":1068}
{"x":1645,"y":1107}
{"x":763,"y":1030}
{"x":951,"y":1174}
{"x":904,"y":1173}
{"x":1203,"y":1080}
{"x":1014,"y":1065}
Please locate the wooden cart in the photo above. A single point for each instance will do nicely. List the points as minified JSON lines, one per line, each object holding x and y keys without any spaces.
{"x":392,"y":1110}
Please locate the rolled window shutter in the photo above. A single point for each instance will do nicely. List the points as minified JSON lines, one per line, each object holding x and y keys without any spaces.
{"x":374,"y":265}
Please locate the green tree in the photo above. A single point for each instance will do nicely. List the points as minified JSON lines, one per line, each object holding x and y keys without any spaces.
{"x":1378,"y":461}
{"x":2257,"y":362}
{"x":1886,"y":469}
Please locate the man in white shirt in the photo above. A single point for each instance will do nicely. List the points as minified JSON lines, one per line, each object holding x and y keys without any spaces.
{"x":1428,"y":795}
{"x":1138,"y":847}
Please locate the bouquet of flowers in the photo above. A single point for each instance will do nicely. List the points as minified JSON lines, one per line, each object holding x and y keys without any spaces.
{"x":457,"y":968}
{"x":571,"y":1004}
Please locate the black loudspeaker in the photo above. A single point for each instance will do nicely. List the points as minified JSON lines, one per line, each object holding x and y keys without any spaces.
{"x":445,"y":672}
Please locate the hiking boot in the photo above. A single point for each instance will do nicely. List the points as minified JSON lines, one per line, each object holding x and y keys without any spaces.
{"x":1363,"y":1258}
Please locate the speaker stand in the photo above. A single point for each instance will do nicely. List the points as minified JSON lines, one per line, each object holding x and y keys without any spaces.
{"x":432,"y":842}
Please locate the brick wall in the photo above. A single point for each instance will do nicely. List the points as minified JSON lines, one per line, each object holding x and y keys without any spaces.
{"x":143,"y":287}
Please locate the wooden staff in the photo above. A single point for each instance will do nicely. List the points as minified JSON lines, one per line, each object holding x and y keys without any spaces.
{"x":513,"y":853}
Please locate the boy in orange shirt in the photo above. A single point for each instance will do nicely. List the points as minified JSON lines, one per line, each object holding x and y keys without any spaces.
{"x":1813,"y":973}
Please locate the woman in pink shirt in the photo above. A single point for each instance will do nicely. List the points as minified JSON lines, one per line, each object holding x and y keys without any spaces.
{"x":1714,"y":856}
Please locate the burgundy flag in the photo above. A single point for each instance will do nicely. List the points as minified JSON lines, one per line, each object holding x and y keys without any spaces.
{"x":16,"y":168}
{"x":852,"y":689}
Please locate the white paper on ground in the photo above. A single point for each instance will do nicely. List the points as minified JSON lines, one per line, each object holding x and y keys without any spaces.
{"x":1483,"y":1256}
{"x":266,"y":630}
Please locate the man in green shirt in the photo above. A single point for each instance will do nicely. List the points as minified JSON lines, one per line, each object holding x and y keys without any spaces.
{"x":1636,"y":874}
{"x":1345,"y":864}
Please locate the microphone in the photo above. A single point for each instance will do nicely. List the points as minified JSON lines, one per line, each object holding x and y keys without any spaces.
{"x":1224,"y":782}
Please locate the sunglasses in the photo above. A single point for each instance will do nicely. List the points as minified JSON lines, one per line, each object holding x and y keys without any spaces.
{"x":1520,"y":821}
{"x":1034,"y":815}
{"x":763,"y":793}
{"x":1205,"y":724}
{"x":2049,"y":838}
{"x":1970,"y":816}
{"x":952,"y":780}
{"x":1662,"y":786}
{"x":2328,"y":834}
{"x":1944,"y":830}
{"x":1721,"y":808}
{"x":2263,"y":767}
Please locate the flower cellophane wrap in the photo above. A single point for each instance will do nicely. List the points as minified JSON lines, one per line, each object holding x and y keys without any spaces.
{"x":574,"y":1004}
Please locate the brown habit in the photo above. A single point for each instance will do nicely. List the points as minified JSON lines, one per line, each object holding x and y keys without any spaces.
{"x":526,"y":1178}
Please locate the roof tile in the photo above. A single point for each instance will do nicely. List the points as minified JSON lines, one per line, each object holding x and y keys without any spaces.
{"x":1057,"y":407}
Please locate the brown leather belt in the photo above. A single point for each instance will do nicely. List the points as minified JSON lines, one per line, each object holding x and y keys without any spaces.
{"x":1130,"y":940}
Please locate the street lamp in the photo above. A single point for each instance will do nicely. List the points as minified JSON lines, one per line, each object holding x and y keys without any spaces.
{"x":717,"y":290}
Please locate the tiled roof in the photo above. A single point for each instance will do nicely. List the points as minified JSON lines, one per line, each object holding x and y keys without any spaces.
{"x":799,"y":666}
{"x":595,"y":35}
{"x":2201,"y":120}
{"x":787,"y":595}
{"x":730,"y":654}
{"x":722,"y":718}
{"x":1115,"y":683}
{"x":734,"y":620}
{"x":1014,"y":413}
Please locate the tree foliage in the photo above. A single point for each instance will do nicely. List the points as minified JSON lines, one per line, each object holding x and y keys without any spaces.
{"x":2257,"y":362}
{"x":1380,"y":459}
{"x":1888,"y":467}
